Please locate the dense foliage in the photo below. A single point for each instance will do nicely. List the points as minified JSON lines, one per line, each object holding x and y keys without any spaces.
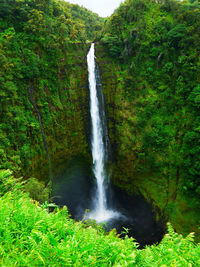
{"x":30,"y":236}
{"x":159,"y":44}
{"x":157,"y":119}
{"x":92,"y":22}
{"x":41,"y":67}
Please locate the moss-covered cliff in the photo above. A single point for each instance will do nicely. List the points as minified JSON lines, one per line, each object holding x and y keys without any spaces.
{"x":132,"y":169}
{"x":50,"y":117}
{"x":155,"y":47}
{"x":43,"y":80}
{"x":66,"y":117}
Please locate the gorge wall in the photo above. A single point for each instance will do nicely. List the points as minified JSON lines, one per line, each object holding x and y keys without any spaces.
{"x":131,"y":171}
{"x":152,"y":93}
{"x":64,"y":116}
{"x":43,"y":79}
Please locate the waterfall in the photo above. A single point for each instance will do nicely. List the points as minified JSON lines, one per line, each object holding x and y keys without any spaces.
{"x":100,"y":212}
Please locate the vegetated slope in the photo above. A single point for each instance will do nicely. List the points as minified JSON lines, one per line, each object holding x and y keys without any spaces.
{"x":92,"y":22}
{"x":155,"y":108}
{"x":43,"y":81}
{"x":30,"y":236}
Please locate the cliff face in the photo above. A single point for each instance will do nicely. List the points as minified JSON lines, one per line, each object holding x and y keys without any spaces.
{"x":50,"y":119}
{"x":131,"y":170}
{"x":67,"y":125}
{"x":155,"y":47}
{"x":43,"y":84}
{"x":120,"y":114}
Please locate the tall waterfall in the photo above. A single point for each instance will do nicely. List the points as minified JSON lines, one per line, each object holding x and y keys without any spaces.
{"x":100,"y":213}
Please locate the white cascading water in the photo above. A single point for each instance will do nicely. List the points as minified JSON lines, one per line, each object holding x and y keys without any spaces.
{"x":100,"y":213}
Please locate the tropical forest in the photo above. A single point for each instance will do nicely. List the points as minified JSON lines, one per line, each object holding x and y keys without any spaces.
{"x":100,"y":134}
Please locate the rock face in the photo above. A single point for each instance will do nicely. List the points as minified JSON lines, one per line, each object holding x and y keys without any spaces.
{"x":52,"y":122}
{"x":118,"y":114}
{"x":67,"y":130}
{"x":44,"y":117}
{"x":130,"y":170}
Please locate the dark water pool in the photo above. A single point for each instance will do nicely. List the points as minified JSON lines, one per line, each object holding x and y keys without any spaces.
{"x":74,"y":188}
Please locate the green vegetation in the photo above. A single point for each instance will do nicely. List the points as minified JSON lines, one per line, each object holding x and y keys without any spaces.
{"x":41,"y":69}
{"x":153,"y":103}
{"x":31,"y":236}
{"x":92,"y":22}
{"x":150,"y":65}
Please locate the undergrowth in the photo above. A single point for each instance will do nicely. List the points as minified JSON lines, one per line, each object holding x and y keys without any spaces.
{"x":32,"y":236}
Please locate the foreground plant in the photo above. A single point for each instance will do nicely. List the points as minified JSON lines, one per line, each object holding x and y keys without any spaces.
{"x":31,"y":236}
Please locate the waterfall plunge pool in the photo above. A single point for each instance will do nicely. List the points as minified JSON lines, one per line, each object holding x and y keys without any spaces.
{"x":74,"y":187}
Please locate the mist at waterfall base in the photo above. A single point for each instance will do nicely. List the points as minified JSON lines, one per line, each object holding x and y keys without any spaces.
{"x":99,"y":200}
